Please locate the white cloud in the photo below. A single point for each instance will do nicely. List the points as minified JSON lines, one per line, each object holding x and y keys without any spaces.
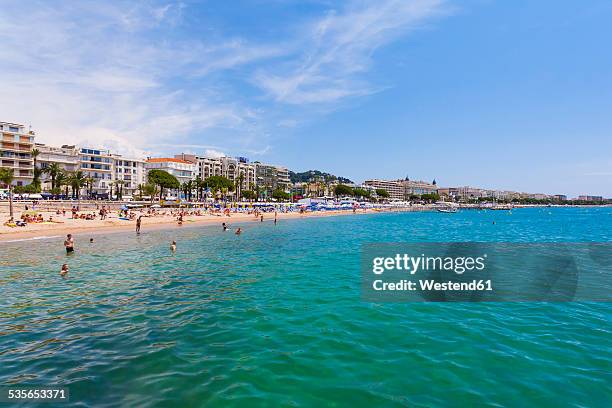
{"x":115,"y":75}
{"x":213,"y":153}
{"x":92,"y":74}
{"x":339,"y":47}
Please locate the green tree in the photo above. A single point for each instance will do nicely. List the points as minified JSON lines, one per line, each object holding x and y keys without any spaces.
{"x":281,"y":195}
{"x":76,"y":180}
{"x":6,"y":177}
{"x":343,"y":190}
{"x":150,"y":189}
{"x":381,"y":192}
{"x":219,"y":184}
{"x":361,"y":192}
{"x":249,"y":194}
{"x":37,"y":172}
{"x":187,"y":188}
{"x":163,"y":179}
{"x":53,"y":170}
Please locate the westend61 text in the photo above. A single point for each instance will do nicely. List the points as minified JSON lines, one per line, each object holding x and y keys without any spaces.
{"x":432,"y":285}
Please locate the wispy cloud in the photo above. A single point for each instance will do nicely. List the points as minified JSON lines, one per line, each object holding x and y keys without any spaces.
{"x":338,"y":48}
{"x":117,"y":74}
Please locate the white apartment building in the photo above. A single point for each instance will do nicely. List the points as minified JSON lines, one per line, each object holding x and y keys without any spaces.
{"x":130,"y":172}
{"x":271,"y":177}
{"x":234,"y":168}
{"x":66,"y":156}
{"x":98,"y":165}
{"x":16,"y":151}
{"x":183,"y":170}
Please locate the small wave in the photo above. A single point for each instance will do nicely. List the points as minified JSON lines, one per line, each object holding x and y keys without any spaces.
{"x":34,"y":238}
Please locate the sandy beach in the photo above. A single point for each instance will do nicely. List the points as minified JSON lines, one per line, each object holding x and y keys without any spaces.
{"x":64,"y":224}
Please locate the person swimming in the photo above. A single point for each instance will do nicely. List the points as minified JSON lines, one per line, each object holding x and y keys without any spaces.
{"x":238,"y":231}
{"x":173,"y":246}
{"x":64,"y":270}
{"x":91,"y":240}
{"x":69,"y":244}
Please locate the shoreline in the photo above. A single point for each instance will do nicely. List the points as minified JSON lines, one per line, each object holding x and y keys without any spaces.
{"x":96,"y":227}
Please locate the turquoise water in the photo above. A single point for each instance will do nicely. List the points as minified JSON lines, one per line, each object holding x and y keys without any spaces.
{"x":274,"y":318}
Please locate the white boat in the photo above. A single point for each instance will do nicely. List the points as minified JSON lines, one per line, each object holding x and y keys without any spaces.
{"x":447,"y":210}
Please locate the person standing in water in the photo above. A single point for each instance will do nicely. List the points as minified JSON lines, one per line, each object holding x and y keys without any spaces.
{"x":138,"y":222}
{"x":64,"y":270}
{"x":224,"y":227}
{"x":173,"y":246}
{"x":69,"y":244}
{"x":275,"y":216}
{"x":261,"y":219}
{"x":238,"y":231}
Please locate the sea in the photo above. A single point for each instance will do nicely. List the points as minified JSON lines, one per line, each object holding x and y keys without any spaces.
{"x":275,"y":317}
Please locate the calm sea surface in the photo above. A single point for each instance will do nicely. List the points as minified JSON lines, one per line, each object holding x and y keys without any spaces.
{"x":274,"y":318}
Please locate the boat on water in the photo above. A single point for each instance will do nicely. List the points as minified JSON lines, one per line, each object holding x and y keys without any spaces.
{"x":447,"y":210}
{"x":446,"y":207}
{"x":501,"y":208}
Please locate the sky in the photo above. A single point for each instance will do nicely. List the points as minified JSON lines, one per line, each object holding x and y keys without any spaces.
{"x":512,"y":95}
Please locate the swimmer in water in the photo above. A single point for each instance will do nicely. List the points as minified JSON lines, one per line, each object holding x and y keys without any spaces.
{"x":91,"y":240}
{"x":64,"y":270}
{"x":238,"y":231}
{"x":173,"y":246}
{"x":69,"y":244}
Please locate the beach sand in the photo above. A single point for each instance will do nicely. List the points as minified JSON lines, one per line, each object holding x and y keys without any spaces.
{"x":67,"y":225}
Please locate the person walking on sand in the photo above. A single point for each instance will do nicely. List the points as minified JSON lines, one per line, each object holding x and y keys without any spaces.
{"x":64,"y":270}
{"x":173,"y":246}
{"x":138,"y":221}
{"x":69,"y":244}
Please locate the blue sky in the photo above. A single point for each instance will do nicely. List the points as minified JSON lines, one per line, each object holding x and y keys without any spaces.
{"x":497,"y":94}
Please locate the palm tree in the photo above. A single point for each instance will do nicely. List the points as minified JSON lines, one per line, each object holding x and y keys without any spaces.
{"x":53,"y":170}
{"x":150,"y":189}
{"x":89,"y":182}
{"x":239,"y":185}
{"x":119,"y":184}
{"x":7,"y":176}
{"x":37,"y":172}
{"x":76,"y":181}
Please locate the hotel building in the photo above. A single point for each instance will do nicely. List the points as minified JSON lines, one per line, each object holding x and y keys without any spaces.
{"x":98,"y":165}
{"x":16,"y":152}
{"x":66,"y":156}
{"x":233,"y":168}
{"x":271,"y":177}
{"x":130,"y":172}
{"x":401,"y":190}
{"x":183,"y":170}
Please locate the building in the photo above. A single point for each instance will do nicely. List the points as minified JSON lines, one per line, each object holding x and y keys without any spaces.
{"x":395,"y":188}
{"x":183,"y":170}
{"x":590,"y":198}
{"x":401,"y":190}
{"x":128,"y":174}
{"x":270,"y":177}
{"x":16,"y":152}
{"x":97,"y":165}
{"x":66,"y":156}
{"x":560,"y":197}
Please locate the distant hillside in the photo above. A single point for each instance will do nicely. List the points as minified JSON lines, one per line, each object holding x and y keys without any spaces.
{"x":315,"y":175}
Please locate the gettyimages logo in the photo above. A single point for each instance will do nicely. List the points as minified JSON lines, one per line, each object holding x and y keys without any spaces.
{"x":464,"y":271}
